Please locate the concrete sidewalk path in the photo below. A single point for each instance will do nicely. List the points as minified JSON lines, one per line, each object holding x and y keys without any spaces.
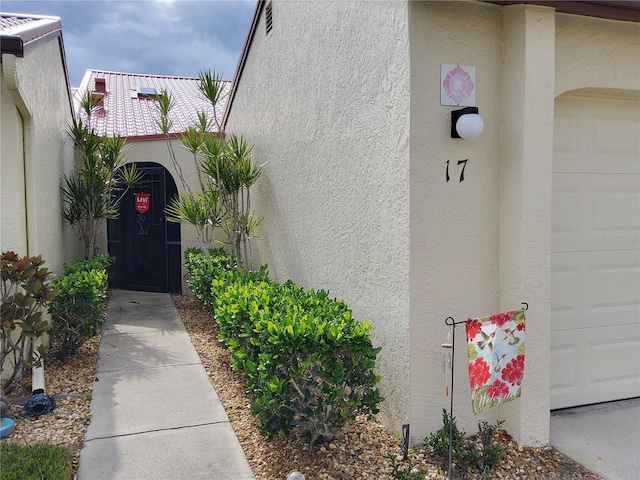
{"x":154,"y":412}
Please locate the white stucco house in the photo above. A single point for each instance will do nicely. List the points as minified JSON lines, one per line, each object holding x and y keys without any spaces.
{"x":364,"y":193}
{"x":36,"y":109}
{"x":149,"y":250}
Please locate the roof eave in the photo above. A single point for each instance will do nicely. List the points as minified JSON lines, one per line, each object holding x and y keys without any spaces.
{"x":31,"y":36}
{"x":624,"y":10}
{"x":241,"y":62}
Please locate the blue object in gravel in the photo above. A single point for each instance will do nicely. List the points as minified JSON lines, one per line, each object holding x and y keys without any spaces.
{"x":39,"y":404}
{"x":7,"y":426}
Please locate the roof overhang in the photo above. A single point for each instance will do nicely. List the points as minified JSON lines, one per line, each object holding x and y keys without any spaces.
{"x":14,"y":40}
{"x":243,"y":58}
{"x":625,"y":10}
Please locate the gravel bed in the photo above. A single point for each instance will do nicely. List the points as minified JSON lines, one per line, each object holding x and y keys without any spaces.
{"x":362,"y":453}
{"x":70,"y":382}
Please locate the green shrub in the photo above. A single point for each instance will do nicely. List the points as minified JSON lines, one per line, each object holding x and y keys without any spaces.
{"x":439,"y":443}
{"x":78,"y":311}
{"x":320,"y":361}
{"x":35,"y":462}
{"x":202,"y":270}
{"x":465,"y":454}
{"x":306,"y":361}
{"x":25,"y":292}
{"x":491,"y":452}
{"x":406,"y":470}
{"x":99,"y":262}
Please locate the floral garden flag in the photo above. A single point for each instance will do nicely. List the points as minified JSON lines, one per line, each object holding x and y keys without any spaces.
{"x":496,"y":358}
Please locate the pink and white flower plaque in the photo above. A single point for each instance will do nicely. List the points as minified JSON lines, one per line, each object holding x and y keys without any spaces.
{"x":458,"y":85}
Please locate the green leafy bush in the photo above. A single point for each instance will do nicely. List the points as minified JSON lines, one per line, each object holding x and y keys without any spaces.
{"x":483,"y":459}
{"x":406,"y":470}
{"x":306,"y":361}
{"x":99,"y":262}
{"x":35,"y":462}
{"x":25,"y":291}
{"x":491,"y":452}
{"x":78,"y":311}
{"x":201,"y":270}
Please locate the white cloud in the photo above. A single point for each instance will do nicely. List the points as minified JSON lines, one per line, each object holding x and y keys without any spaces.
{"x":171,"y":38}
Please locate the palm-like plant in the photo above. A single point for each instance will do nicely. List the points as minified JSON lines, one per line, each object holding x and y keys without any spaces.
{"x":225,"y":174}
{"x":92,"y":193}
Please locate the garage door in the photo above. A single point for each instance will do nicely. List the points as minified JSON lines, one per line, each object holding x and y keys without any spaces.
{"x":595,"y":251}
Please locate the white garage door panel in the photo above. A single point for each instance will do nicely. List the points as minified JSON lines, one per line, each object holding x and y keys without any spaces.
{"x":595,"y":245}
{"x":595,"y":212}
{"x":585,"y":130}
{"x":609,"y":365}
{"x":594,"y":289}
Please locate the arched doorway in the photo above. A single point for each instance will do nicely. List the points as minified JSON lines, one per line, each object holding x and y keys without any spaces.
{"x":146,"y":246}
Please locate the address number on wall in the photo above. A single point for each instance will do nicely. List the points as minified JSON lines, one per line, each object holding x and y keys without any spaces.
{"x":464,"y":165}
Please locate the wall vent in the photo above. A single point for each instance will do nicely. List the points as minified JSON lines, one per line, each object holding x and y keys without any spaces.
{"x":268,"y":16}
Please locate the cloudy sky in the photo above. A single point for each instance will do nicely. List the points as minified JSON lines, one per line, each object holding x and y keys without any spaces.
{"x":164,"y":37}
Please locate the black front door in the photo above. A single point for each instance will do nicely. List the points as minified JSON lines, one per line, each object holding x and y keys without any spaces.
{"x":141,"y":239}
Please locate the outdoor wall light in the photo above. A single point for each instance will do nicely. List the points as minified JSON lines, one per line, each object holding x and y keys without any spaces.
{"x":466,"y":123}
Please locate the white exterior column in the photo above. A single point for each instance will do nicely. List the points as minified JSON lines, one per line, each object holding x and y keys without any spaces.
{"x":525,"y":204}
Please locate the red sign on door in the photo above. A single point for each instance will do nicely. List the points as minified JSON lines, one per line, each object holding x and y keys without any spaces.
{"x":142,"y":202}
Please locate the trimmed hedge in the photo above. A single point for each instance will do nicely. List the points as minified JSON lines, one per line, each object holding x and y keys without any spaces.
{"x":78,"y":311}
{"x":99,"y":262}
{"x":306,"y":361}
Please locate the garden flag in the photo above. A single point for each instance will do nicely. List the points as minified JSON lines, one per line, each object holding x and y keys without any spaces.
{"x":496,"y":358}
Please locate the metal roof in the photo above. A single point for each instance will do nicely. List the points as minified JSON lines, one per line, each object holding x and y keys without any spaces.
{"x":18,"y":30}
{"x":128,"y":113}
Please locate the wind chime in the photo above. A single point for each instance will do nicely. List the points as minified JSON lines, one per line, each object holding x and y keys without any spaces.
{"x":447,"y":360}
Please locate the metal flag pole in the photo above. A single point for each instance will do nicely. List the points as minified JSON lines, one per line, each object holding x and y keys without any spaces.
{"x":452,"y":323}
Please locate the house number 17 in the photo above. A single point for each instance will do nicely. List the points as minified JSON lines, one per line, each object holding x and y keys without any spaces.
{"x":464,"y":165}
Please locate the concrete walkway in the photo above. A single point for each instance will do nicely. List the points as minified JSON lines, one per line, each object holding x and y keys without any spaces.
{"x":154,"y":413}
{"x":605,"y":437}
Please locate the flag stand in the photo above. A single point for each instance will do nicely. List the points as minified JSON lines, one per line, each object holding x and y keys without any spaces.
{"x":450,"y":321}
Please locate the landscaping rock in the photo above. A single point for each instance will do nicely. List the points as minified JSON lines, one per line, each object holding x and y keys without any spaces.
{"x":362,"y":452}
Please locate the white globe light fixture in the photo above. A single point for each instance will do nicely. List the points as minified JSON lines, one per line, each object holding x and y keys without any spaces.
{"x":466,"y":123}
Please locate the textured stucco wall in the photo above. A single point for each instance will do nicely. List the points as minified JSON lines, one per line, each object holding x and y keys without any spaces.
{"x":13,"y":229}
{"x":42,"y":83}
{"x":325,"y":100}
{"x":596,"y":54}
{"x":525,"y":234}
{"x":484,"y":245}
{"x":321,"y":110}
{"x":454,"y":225}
